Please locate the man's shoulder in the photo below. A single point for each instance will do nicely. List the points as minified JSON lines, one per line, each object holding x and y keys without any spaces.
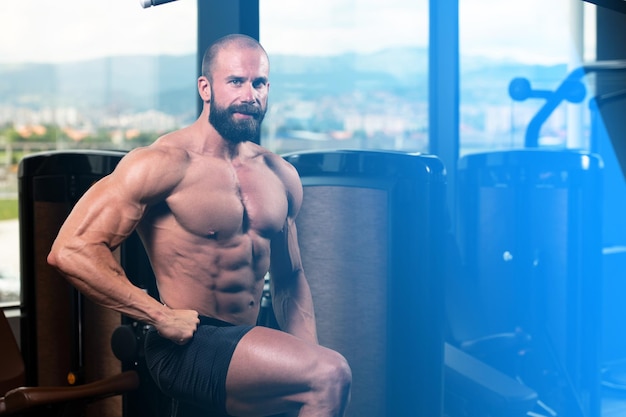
{"x":275,"y":162}
{"x":152,"y":169}
{"x":286,"y":172}
{"x":160,"y":152}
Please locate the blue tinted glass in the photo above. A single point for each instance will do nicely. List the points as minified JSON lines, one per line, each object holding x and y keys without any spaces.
{"x":76,"y":74}
{"x":346,"y":74}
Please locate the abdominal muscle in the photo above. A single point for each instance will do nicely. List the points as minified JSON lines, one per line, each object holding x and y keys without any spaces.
{"x":219,"y":279}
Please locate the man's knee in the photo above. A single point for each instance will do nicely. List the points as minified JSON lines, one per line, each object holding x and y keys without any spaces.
{"x":334,"y":375}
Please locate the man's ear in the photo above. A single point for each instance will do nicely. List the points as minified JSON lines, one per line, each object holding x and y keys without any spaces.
{"x":204,"y":89}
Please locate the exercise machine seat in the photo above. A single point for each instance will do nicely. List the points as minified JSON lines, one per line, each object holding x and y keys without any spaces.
{"x":19,"y":399}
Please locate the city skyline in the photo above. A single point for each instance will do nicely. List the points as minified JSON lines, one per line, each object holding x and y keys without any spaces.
{"x":348,"y":96}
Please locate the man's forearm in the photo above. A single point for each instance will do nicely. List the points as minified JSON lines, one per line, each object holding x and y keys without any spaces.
{"x":94,"y":272}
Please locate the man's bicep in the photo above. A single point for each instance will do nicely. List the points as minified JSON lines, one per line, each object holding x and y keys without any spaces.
{"x":285,"y":261}
{"x":113,"y":207}
{"x":105,"y":214}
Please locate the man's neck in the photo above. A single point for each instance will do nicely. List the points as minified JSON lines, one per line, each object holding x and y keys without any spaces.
{"x":209,"y":141}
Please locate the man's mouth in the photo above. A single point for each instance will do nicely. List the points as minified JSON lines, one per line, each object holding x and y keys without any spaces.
{"x":245,"y":111}
{"x":244,"y":115}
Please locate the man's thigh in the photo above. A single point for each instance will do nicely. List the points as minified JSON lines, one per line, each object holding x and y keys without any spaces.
{"x":271,"y":372}
{"x":196,"y":372}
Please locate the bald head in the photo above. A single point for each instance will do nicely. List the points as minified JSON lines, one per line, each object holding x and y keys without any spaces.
{"x":237,"y":41}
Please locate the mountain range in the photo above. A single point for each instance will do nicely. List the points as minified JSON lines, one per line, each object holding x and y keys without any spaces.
{"x":168,"y":83}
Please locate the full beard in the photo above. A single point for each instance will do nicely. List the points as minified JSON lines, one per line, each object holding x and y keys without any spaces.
{"x":237,"y":131}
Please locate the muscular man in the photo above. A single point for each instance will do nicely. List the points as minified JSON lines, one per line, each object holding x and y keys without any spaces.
{"x":215,"y":211}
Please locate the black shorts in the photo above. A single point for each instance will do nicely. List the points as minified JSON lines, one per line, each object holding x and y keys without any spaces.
{"x":195,"y":373}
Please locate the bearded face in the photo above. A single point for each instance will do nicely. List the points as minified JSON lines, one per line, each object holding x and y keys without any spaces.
{"x":233,"y":129}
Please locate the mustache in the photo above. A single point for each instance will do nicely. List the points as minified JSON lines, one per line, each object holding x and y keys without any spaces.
{"x":248,"y":109}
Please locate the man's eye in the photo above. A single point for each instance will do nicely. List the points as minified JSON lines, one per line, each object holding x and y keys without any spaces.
{"x":235,"y":82}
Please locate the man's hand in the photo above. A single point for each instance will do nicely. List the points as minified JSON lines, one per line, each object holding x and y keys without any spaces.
{"x":178,"y":325}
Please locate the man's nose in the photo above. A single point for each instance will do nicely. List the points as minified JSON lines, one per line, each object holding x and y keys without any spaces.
{"x":248,"y":93}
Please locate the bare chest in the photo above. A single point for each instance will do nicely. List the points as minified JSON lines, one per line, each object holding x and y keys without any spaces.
{"x":223,"y":202}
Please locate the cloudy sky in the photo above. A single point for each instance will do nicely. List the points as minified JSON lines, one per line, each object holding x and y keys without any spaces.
{"x":67,"y":30}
